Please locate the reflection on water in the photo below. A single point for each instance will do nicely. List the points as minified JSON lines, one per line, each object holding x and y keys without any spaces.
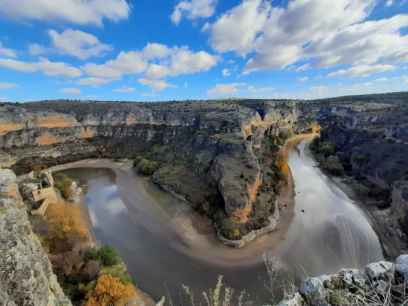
{"x":328,"y":232}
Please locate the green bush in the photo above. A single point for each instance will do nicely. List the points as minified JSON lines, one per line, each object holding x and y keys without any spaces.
{"x":230,"y":229}
{"x":63,"y":183}
{"x":147,"y":167}
{"x":333,"y":165}
{"x":106,"y":255}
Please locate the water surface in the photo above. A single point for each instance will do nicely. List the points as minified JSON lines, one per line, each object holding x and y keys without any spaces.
{"x":158,"y":237}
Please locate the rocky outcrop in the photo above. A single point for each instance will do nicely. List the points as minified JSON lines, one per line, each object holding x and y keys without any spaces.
{"x":369,"y":138}
{"x":25,"y":271}
{"x":380,"y":283}
{"x":217,"y":145}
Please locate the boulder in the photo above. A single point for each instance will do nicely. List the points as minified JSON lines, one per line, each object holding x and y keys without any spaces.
{"x":401,"y":266}
{"x":382,"y":270}
{"x":295,"y":300}
{"x":313,"y":291}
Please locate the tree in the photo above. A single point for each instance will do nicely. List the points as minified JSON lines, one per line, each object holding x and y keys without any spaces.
{"x":108,"y":291}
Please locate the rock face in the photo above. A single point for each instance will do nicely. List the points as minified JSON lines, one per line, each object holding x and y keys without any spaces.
{"x":380,"y":283}
{"x":25,"y":271}
{"x":369,"y":137}
{"x":210,"y":153}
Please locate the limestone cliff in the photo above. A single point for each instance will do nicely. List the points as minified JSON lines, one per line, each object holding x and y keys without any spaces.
{"x":26,"y":274}
{"x":216,"y":146}
{"x":368,"y":135}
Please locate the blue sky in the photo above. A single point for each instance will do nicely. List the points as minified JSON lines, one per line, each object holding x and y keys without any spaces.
{"x":148,"y":50}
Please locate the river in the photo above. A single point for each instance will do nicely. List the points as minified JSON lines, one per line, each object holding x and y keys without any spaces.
{"x":165,"y":244}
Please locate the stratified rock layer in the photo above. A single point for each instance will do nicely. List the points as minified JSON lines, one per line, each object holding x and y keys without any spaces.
{"x":26,"y":276}
{"x":215,"y":146}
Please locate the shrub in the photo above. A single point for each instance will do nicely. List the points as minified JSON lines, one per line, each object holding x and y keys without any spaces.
{"x":147,"y":167}
{"x":66,"y":227}
{"x":108,"y":291}
{"x":230,"y":229}
{"x":333,"y":165}
{"x":63,"y":183}
{"x":106,"y":255}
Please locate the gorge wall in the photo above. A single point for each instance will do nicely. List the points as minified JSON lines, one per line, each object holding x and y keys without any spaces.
{"x":369,"y":136}
{"x":212,"y":154}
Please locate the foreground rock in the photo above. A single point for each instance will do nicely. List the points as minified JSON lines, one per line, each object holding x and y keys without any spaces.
{"x":380,"y":283}
{"x":26,"y":273}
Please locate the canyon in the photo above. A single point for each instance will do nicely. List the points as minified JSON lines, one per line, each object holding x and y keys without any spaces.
{"x":222,"y":158}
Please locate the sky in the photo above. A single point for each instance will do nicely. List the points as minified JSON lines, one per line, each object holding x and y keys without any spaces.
{"x":155,"y":50}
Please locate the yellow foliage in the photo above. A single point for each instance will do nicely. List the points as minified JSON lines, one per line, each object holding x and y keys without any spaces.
{"x":65,"y":222}
{"x":109,"y":291}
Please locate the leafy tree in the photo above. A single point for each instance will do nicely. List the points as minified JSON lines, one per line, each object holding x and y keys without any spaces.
{"x":108,"y":291}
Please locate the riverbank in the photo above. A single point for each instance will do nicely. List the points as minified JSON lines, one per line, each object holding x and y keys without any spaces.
{"x":82,"y":265}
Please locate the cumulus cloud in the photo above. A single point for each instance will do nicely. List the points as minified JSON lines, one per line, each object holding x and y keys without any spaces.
{"x":223,"y":90}
{"x":363,"y":70}
{"x":237,"y":29}
{"x":243,"y":90}
{"x":71,"y":91}
{"x":77,"y":43}
{"x":73,"y":11}
{"x":226,"y":72}
{"x":6,"y":51}
{"x":6,"y":85}
{"x":93,"y":81}
{"x":155,"y":62}
{"x":124,"y":90}
{"x":43,"y":65}
{"x":156,"y":85}
{"x":325,"y":33}
{"x":193,"y":9}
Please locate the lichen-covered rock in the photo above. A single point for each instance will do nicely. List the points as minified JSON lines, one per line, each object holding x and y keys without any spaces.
{"x":313,"y":291}
{"x":26,"y":276}
{"x":382,"y":270}
{"x":295,"y":300}
{"x":401,"y":266}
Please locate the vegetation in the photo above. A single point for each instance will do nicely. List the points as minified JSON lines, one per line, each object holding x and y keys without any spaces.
{"x":63,"y":183}
{"x":109,"y":290}
{"x":220,"y":295}
{"x":66,"y":227}
{"x":145,"y":166}
{"x":325,"y":153}
{"x":106,"y":255}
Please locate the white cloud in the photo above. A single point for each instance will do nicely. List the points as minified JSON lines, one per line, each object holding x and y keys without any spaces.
{"x":322,"y":32}
{"x":43,"y":65}
{"x":243,"y":90}
{"x":363,"y":70}
{"x":389,"y":2}
{"x":6,"y":51}
{"x":94,"y":81}
{"x":193,"y":9}
{"x":226,"y":72}
{"x":74,"y":11}
{"x":71,"y":91}
{"x":237,"y":29}
{"x":155,"y":61}
{"x":131,"y":62}
{"x":124,"y":90}
{"x":6,"y":85}
{"x":156,"y":85}
{"x":303,"y":79}
{"x":303,"y":67}
{"x":223,"y":90}
{"x":37,"y":49}
{"x":77,"y":43}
